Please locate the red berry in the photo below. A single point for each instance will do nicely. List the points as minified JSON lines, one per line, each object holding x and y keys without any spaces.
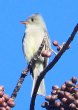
{"x":8,"y":108}
{"x":1,"y":101}
{"x":64,"y":100}
{"x":2,"y":108}
{"x":55,"y":87}
{"x":44,"y":104}
{"x":55,"y":43}
{"x":63,"y":87}
{"x":1,"y":93}
{"x":4,"y":104}
{"x":1,"y":88}
{"x":57,"y":103}
{"x":76,"y":102}
{"x":74,"y":80}
{"x":72,"y":105}
{"x":59,"y":48}
{"x":46,"y":53}
{"x":48,"y":98}
{"x":10,"y":102}
{"x":6,"y":97}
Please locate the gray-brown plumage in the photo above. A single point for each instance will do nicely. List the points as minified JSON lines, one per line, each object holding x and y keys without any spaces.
{"x":34,"y":34}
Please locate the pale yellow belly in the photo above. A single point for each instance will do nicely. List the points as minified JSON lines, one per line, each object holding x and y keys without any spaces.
{"x":31,"y":44}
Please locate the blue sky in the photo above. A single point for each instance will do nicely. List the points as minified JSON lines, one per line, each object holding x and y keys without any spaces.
{"x":60,"y":17}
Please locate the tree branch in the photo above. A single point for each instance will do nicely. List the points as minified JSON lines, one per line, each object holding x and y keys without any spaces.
{"x":51,"y":65}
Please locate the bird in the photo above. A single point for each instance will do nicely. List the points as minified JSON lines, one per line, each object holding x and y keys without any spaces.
{"x":35,"y":31}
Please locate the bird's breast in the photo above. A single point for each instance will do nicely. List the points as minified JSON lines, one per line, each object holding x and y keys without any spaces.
{"x":31,"y":43}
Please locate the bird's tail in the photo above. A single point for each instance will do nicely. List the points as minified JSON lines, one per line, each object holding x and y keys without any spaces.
{"x":41,"y":89}
{"x":36,"y":72}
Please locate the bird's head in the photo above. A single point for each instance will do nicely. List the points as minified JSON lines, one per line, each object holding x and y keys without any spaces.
{"x":35,"y":20}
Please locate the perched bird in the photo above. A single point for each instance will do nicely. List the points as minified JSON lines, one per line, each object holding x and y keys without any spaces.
{"x":33,"y":36}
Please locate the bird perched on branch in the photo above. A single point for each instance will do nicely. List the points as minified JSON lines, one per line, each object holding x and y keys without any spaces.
{"x":33,"y":36}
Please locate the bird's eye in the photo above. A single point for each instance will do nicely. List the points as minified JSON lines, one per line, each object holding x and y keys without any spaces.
{"x":32,"y":19}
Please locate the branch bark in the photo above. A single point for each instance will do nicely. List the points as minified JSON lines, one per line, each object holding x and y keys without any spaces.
{"x":51,"y":65}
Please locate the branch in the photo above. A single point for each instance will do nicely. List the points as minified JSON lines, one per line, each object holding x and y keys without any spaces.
{"x":19,"y":83}
{"x":24,"y":73}
{"x":51,"y":65}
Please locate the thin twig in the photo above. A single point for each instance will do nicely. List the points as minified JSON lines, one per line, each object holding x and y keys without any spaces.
{"x":24,"y":73}
{"x":19,"y":83}
{"x":50,"y":66}
{"x":53,"y":51}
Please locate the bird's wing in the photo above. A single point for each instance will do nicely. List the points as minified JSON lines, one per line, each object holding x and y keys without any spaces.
{"x":22,"y":43}
{"x":47,"y":47}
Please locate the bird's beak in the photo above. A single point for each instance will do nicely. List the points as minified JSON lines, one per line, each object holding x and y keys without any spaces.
{"x":24,"y":22}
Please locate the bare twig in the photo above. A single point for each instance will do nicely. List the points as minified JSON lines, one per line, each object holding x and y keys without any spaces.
{"x":50,"y":66}
{"x":24,"y":73}
{"x":19,"y":83}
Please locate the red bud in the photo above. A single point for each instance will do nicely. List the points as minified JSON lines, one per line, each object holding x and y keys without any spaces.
{"x":55,"y":43}
{"x":1,"y":93}
{"x":1,"y":101}
{"x":76,"y":102}
{"x":6,"y":97}
{"x":57,"y":103}
{"x":4,"y":104}
{"x":59,"y":48}
{"x":10,"y":102}
{"x":72,"y":105}
{"x":55,"y":87}
{"x":1,"y":88}
{"x":48,"y":98}
{"x":8,"y":108}
{"x":46,"y":53}
{"x":2,"y":108}
{"x":44,"y":104}
{"x":74,"y":80}
{"x":63,"y":87}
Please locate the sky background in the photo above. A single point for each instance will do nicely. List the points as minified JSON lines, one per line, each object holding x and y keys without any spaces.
{"x":61,"y":18}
